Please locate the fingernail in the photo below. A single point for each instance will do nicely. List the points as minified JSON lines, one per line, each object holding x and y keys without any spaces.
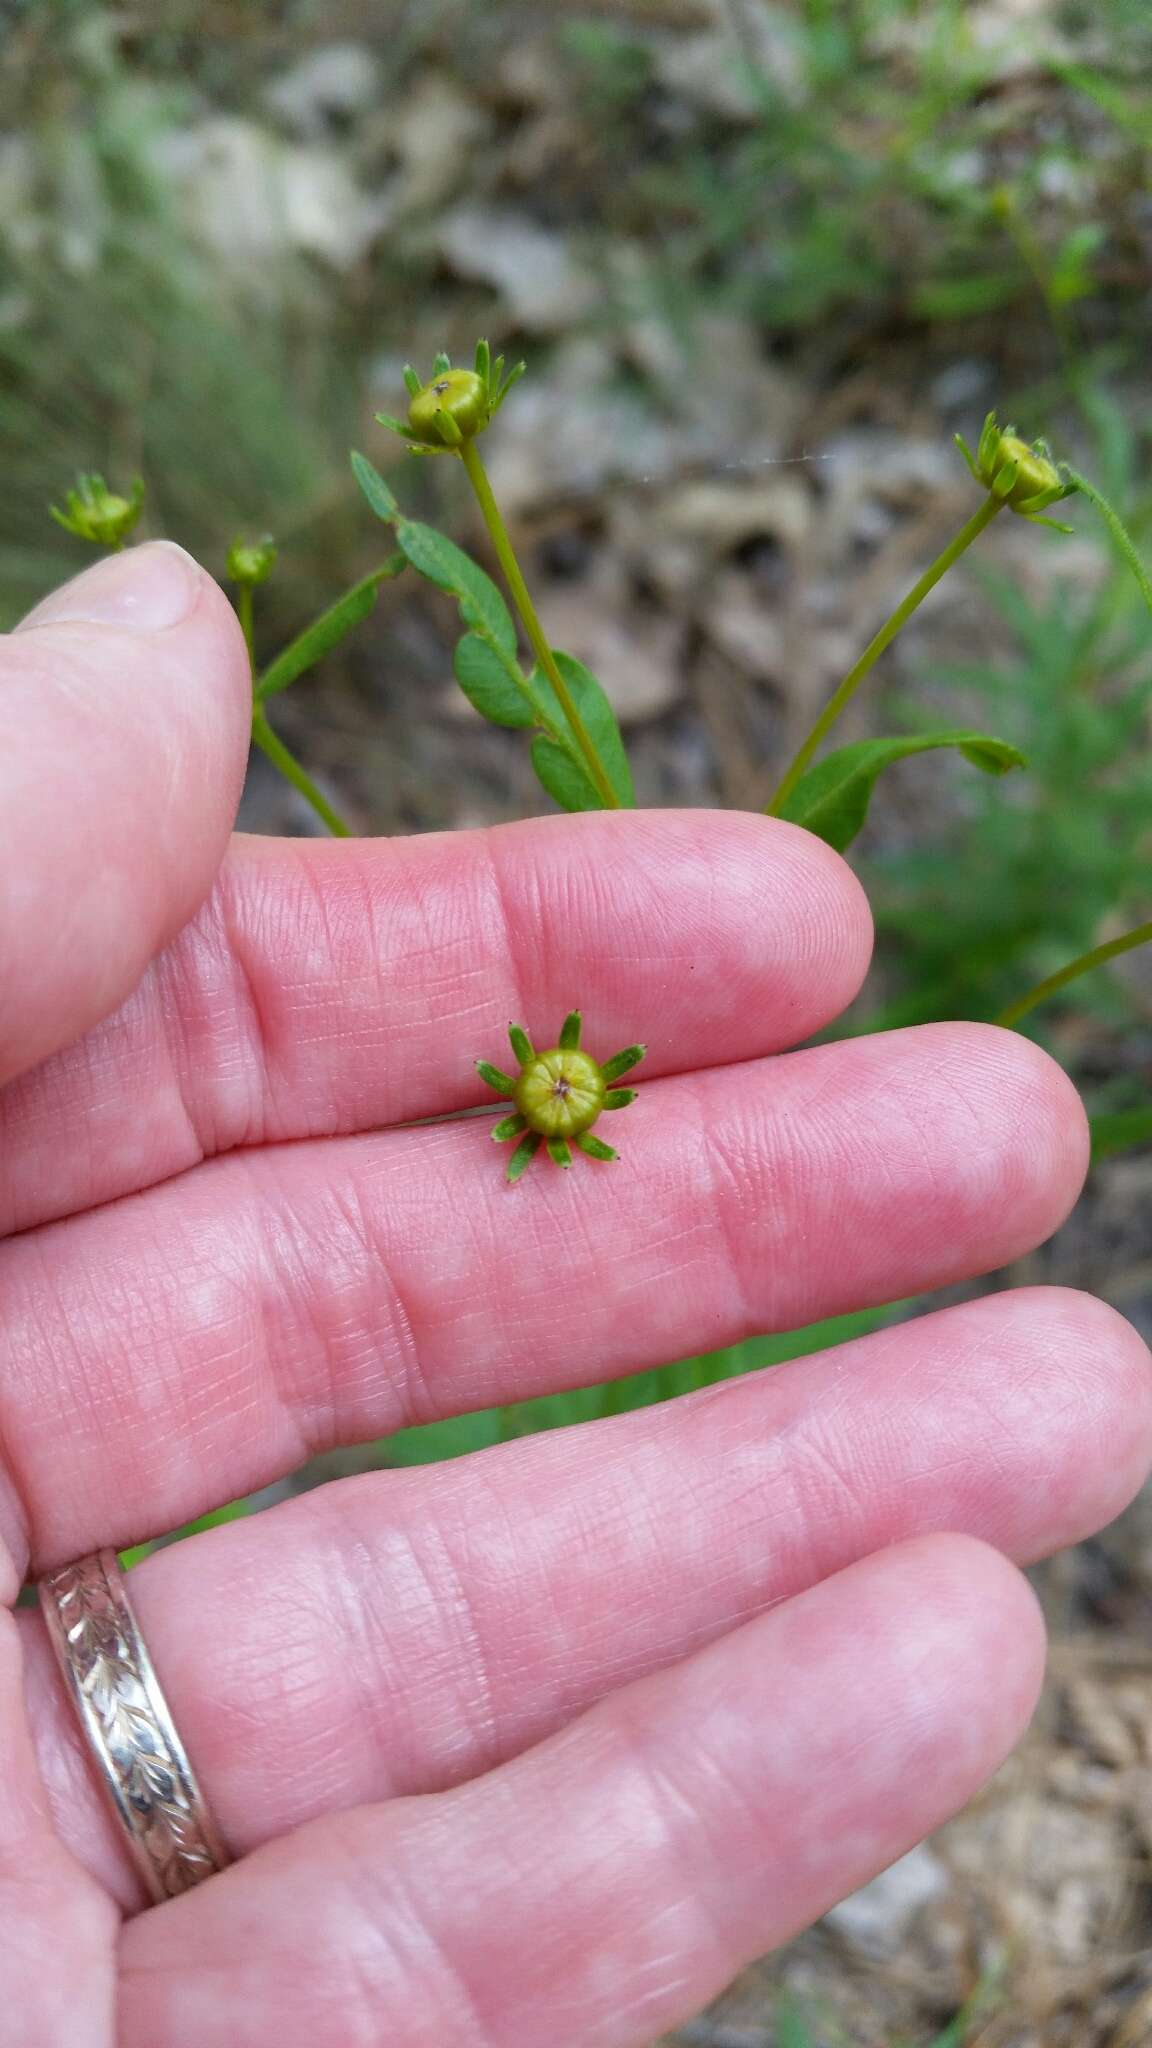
{"x":142,"y":590}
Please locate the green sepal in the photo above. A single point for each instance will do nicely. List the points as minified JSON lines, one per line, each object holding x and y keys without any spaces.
{"x":523,"y":1156}
{"x":513,"y":377}
{"x":832,"y":799}
{"x":412,"y":381}
{"x":570,"y":1032}
{"x":448,"y":430}
{"x":559,"y":763}
{"x":594,"y":1148}
{"x":482,"y":362}
{"x":395,"y":426}
{"x":493,"y":1078}
{"x":327,"y":631}
{"x":440,"y":363}
{"x":621,"y":1062}
{"x":451,"y":570}
{"x":521,"y":1044}
{"x":492,"y":682}
{"x":559,"y":1151}
{"x":619,"y":1098}
{"x":374,"y":487}
{"x":510,"y":1127}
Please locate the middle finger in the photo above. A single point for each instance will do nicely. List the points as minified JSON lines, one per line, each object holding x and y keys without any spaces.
{"x":275,"y":1303}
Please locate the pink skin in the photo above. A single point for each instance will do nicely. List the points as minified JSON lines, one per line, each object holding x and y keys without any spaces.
{"x":671,"y":1683}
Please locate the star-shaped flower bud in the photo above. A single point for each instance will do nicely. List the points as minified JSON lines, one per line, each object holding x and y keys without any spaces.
{"x":454,"y":405}
{"x":93,"y":512}
{"x":1020,"y":473}
{"x":558,"y":1095}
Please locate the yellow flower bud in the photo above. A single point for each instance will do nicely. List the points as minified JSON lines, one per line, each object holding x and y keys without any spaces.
{"x":460,"y":395}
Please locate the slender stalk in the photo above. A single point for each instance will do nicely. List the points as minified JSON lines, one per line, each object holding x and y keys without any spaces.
{"x":1083,"y":964}
{"x":270,"y":744}
{"x":1117,"y":529}
{"x":493,"y":520}
{"x":846,"y":690}
{"x":244,"y":614}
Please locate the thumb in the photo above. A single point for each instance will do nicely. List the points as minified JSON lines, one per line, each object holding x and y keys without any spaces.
{"x":125,"y":708}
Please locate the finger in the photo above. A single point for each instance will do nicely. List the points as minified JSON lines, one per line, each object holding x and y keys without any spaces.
{"x":127,"y":698}
{"x":334,"y":988}
{"x":632,"y":1865}
{"x":400,"y":1632}
{"x":286,"y":1300}
{"x":60,"y":1928}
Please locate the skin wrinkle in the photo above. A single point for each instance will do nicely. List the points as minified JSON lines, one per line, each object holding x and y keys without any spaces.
{"x":436,"y":1964}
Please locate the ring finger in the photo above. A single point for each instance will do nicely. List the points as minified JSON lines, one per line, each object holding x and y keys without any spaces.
{"x":403,"y":1631}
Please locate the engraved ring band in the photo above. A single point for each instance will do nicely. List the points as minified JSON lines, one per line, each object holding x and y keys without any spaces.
{"x":142,"y":1762}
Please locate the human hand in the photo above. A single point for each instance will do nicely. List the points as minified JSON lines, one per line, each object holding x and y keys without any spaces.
{"x":536,"y":1749}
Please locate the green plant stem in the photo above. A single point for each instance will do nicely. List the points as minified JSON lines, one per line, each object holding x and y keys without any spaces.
{"x":846,"y":690}
{"x":493,"y":520}
{"x":271,"y":745}
{"x":1117,"y":529}
{"x":244,"y":614}
{"x":1083,"y":964}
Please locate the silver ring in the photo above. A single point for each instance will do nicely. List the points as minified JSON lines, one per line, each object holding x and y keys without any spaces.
{"x":142,"y":1762}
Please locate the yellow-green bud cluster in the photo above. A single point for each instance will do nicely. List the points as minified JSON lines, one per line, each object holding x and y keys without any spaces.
{"x":454,"y":405}
{"x":251,"y":561}
{"x":1020,"y":474}
{"x":93,"y":512}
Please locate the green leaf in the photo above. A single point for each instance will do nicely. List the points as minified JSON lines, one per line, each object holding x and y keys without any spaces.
{"x":1120,"y":1131}
{"x":487,"y":677}
{"x":374,"y":488}
{"x":832,"y":799}
{"x":327,"y":631}
{"x":450,"y":569}
{"x":561,"y":770}
{"x":569,"y":785}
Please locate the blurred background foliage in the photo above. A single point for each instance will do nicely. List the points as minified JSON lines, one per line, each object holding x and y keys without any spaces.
{"x":763,"y":258}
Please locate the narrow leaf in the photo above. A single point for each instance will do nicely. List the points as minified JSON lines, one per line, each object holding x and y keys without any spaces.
{"x":327,"y":631}
{"x":374,"y":487}
{"x":599,"y":722}
{"x":832,"y":799}
{"x":446,"y":565}
{"x":488,"y":678}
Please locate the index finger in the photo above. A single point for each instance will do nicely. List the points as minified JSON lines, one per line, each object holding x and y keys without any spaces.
{"x":328,"y":988}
